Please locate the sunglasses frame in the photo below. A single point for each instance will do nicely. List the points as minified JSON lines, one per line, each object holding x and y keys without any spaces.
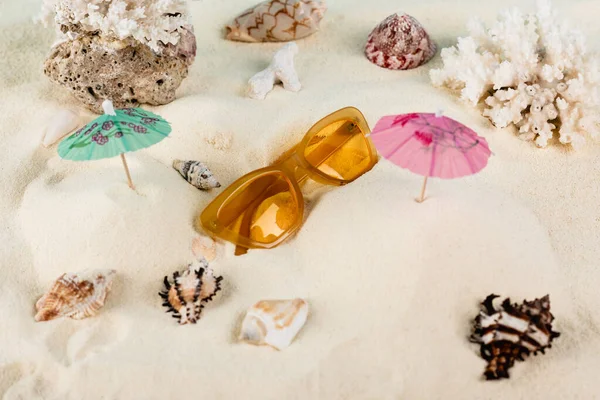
{"x":294,"y":168}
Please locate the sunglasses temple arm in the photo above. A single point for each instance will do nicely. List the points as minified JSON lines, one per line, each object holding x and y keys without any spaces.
{"x":240,"y":251}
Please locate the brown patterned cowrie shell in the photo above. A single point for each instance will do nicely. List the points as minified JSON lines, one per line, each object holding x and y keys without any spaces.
{"x":277,"y":21}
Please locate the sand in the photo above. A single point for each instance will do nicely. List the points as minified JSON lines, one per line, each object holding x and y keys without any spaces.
{"x":392,"y":284}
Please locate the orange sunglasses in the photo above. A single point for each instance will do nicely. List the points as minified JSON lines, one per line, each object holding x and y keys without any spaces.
{"x":265,"y":207}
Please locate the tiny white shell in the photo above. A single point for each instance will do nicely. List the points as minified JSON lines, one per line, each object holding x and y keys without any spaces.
{"x":59,"y":125}
{"x":274,"y":322}
{"x":203,"y":246}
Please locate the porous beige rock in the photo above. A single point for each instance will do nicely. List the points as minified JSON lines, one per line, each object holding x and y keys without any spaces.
{"x":128,"y":73}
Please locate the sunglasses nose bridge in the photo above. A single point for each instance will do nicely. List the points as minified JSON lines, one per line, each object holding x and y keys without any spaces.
{"x":293,"y":166}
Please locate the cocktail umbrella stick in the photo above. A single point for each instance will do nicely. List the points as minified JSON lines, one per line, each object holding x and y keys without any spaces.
{"x":127,"y":171}
{"x":422,"y":198}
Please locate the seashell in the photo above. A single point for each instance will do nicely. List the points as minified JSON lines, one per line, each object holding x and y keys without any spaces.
{"x":190,"y":291}
{"x":75,"y":295}
{"x":203,"y":246}
{"x":274,"y":322}
{"x":281,"y":70}
{"x":510,"y":332}
{"x":277,"y":21}
{"x":399,"y":42}
{"x":197,"y":174}
{"x":59,"y":125}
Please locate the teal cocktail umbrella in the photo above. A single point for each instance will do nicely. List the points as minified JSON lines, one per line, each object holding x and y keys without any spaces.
{"x":115,"y":133}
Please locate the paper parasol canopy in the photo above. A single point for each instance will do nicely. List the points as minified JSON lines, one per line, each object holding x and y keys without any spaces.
{"x":115,"y":133}
{"x":430,"y":145}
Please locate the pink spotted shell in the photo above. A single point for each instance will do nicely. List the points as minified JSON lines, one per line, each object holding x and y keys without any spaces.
{"x":399,"y":42}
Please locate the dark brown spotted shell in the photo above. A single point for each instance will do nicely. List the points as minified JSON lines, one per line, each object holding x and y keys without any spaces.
{"x":510,"y":332}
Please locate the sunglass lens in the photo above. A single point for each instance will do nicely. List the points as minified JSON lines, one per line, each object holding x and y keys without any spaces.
{"x":262,"y":210}
{"x":340,"y":151}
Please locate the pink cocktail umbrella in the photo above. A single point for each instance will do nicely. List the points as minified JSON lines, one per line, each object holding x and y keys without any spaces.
{"x":430,"y":145}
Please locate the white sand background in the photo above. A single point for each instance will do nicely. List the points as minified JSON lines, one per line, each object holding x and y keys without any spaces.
{"x":392,"y":285}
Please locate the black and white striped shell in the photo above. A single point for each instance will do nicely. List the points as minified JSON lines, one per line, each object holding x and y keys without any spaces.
{"x":510,"y":332}
{"x":197,"y":174}
{"x":189,"y":291}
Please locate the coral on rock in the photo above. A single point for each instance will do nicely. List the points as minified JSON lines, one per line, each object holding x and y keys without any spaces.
{"x":127,"y":76}
{"x":127,"y":51}
{"x":530,"y":70}
{"x":155,"y":23}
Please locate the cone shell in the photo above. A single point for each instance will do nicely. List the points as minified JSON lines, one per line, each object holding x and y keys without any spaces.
{"x":277,"y":21}
{"x":189,"y":291}
{"x":274,"y":322}
{"x":197,"y":174}
{"x":75,"y":295}
{"x":399,"y":42}
{"x":61,"y":123}
{"x":510,"y":332}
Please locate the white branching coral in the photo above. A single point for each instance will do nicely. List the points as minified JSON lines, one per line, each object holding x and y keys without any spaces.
{"x":532,"y":71}
{"x":155,"y":23}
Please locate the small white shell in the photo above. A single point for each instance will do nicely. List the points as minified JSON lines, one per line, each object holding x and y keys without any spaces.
{"x":59,"y":125}
{"x":203,"y":246}
{"x":274,"y":322}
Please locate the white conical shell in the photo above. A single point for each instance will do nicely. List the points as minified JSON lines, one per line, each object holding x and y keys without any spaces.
{"x":59,"y":125}
{"x":274,"y":322}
